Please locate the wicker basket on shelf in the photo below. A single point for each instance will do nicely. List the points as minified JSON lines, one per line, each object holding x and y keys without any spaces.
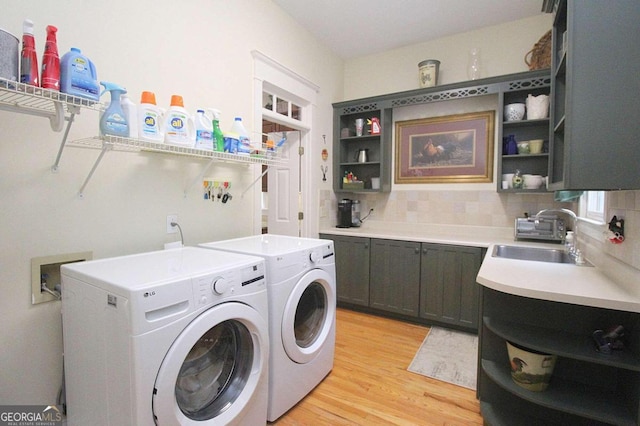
{"x":540,"y":56}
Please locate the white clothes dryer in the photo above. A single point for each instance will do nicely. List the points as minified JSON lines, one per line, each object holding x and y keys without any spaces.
{"x":301,"y":286}
{"x":174,"y":337}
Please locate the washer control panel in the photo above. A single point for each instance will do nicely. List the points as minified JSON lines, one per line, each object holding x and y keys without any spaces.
{"x":213,"y":288}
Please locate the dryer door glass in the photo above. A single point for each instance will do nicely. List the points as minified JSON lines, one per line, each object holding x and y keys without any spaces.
{"x":310,"y":315}
{"x":215,"y":371}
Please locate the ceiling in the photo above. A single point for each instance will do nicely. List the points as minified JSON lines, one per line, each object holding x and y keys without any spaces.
{"x":353,"y":28}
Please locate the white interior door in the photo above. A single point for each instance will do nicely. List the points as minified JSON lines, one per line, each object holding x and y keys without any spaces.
{"x":284,"y":195}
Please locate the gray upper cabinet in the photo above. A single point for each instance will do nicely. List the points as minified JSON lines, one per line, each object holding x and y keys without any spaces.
{"x":346,"y":144}
{"x":595,"y":86}
{"x":349,"y":144}
{"x":523,"y":130}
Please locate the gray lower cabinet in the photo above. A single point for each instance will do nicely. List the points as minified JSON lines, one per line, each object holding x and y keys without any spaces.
{"x":431,"y":283}
{"x":352,"y":268}
{"x":394,"y":283}
{"x":586,"y":387}
{"x":448,"y":288}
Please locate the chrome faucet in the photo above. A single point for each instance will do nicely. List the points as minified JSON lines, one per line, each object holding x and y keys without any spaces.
{"x":565,"y":211}
{"x":574,"y":251}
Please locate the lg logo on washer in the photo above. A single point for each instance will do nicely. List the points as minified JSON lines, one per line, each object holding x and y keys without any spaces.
{"x":149,"y":293}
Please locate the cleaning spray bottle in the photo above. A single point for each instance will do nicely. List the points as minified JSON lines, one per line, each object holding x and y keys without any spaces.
{"x":113,"y":121}
{"x":28,"y":58}
{"x":50,"y":76}
{"x":218,"y":136}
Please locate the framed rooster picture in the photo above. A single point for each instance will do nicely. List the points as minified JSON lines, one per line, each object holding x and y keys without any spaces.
{"x":449,"y":149}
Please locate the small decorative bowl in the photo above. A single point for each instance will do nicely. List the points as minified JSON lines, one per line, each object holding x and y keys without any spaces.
{"x":523,"y":147}
{"x":532,"y":181}
{"x":514,"y":112}
{"x":535,"y":146}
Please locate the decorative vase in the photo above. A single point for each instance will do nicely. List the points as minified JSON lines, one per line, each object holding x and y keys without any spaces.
{"x":512,"y":146}
{"x":473,"y":68}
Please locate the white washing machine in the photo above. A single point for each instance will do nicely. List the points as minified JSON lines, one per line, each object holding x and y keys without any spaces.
{"x":301,"y":285}
{"x":174,"y":337}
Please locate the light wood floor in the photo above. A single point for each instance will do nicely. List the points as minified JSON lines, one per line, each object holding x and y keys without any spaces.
{"x":370,"y":384}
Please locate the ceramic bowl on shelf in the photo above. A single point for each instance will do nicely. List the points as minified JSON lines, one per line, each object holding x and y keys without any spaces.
{"x":535,"y":146}
{"x":532,"y":181}
{"x":523,"y":147}
{"x":514,"y":112}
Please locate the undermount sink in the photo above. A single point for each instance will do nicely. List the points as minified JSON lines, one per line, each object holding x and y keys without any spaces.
{"x":536,"y":254}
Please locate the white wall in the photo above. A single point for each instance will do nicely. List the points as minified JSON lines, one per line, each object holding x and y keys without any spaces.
{"x":198,"y":49}
{"x":502,"y":50}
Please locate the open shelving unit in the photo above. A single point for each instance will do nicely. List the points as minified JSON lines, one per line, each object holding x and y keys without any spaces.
{"x":510,"y":88}
{"x":59,"y":107}
{"x":587,"y":387}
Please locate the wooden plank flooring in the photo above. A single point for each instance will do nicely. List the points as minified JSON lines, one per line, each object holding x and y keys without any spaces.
{"x":370,"y":384}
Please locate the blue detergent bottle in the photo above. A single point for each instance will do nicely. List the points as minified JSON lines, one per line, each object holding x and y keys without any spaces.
{"x":78,"y":76}
{"x":114,"y":121}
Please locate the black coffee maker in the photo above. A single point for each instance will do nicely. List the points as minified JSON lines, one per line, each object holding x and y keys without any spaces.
{"x":344,"y":213}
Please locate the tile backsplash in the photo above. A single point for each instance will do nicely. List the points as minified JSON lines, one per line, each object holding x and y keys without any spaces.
{"x":474,"y":208}
{"x":492,"y":209}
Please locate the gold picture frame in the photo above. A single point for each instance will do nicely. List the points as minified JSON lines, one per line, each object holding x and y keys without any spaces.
{"x":448,"y":149}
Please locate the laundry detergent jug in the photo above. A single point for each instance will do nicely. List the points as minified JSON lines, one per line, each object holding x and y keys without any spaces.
{"x":179,"y":128}
{"x":150,"y":119}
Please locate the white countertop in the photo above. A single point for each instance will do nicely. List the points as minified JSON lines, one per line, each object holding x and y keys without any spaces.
{"x":474,"y":236}
{"x":581,"y":285}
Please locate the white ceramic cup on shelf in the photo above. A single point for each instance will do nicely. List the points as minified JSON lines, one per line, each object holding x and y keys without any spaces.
{"x":509,"y":178}
{"x":375,"y":183}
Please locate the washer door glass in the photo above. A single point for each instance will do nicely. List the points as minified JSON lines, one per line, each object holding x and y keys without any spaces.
{"x":215,"y":371}
{"x":308,"y":319}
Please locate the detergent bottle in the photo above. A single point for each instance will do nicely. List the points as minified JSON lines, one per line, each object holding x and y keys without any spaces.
{"x":78,"y":76}
{"x":218,"y":136}
{"x":28,"y":57}
{"x":149,"y":119}
{"x":244,"y":142}
{"x":178,"y":126}
{"x":50,"y":76}
{"x":131,"y":113}
{"x":204,"y":131}
{"x":113,"y":121}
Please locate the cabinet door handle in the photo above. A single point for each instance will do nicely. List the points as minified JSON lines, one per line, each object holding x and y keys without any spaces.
{"x":424,"y":251}
{"x":417,"y":250}
{"x":366,"y":245}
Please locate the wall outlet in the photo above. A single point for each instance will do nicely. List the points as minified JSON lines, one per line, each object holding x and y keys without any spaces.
{"x":172,"y":218}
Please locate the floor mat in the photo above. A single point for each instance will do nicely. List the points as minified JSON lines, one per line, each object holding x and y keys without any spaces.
{"x":448,"y":355}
